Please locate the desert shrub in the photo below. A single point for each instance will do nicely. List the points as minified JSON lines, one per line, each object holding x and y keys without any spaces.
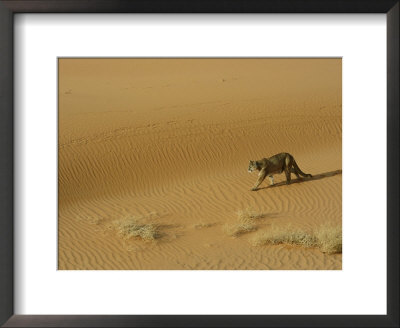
{"x":327,"y":238}
{"x":245,"y":223}
{"x":142,"y":227}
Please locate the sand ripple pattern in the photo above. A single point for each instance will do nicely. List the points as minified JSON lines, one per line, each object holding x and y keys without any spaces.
{"x":188,"y":180}
{"x":187,"y":162}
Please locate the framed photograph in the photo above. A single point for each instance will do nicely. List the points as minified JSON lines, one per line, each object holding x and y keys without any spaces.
{"x":217,"y":164}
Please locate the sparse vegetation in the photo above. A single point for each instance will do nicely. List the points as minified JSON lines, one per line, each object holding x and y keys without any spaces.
{"x":327,"y":238}
{"x":245,"y":223}
{"x":137,"y":226}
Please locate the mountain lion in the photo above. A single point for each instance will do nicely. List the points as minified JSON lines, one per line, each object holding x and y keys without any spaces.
{"x":276,"y":165}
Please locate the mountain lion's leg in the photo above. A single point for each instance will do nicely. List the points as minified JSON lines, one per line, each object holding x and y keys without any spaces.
{"x":261,"y":177}
{"x":287,"y":173}
{"x":271,"y":180}
{"x":295,"y":172}
{"x":288,"y":167}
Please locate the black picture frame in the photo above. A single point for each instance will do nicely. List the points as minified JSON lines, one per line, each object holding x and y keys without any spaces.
{"x":10,"y":7}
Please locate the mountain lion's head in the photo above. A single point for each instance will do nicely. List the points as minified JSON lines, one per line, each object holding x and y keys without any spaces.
{"x":252,"y":166}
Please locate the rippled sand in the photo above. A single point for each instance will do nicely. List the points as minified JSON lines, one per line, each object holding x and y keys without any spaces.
{"x":170,"y":140}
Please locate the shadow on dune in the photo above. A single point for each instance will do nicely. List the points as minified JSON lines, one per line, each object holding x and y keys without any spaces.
{"x":301,"y":180}
{"x":269,"y":215}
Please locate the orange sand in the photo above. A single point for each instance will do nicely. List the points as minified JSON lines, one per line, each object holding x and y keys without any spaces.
{"x":172,"y":138}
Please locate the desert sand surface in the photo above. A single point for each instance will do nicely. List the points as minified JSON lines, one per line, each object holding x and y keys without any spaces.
{"x":169,"y":141}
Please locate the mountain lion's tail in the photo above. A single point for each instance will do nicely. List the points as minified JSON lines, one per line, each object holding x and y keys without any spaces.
{"x":297,"y":169}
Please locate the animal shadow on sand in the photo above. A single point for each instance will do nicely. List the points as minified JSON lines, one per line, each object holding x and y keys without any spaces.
{"x":301,"y":180}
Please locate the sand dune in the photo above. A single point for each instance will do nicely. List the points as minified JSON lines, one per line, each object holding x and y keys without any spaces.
{"x":171,"y":139}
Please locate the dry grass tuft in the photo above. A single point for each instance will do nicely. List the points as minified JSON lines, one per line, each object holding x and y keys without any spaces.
{"x":279,"y":235}
{"x":327,"y":238}
{"x":245,"y":223}
{"x":142,"y":227}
